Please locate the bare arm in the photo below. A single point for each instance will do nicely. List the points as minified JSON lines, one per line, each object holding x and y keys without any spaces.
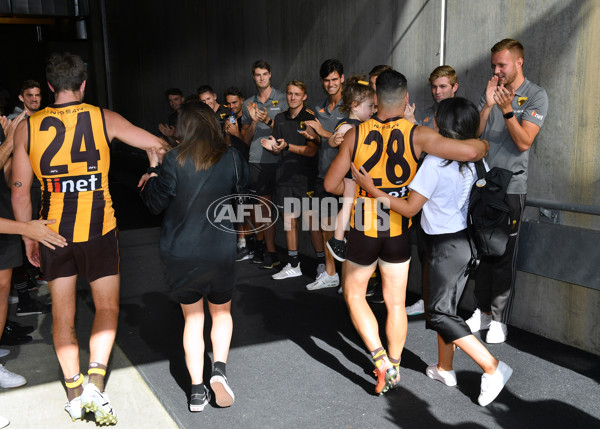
{"x":484,"y":114}
{"x":427,"y":140}
{"x":316,"y":125}
{"x":523,"y":133}
{"x":5,"y":150}
{"x":334,"y":180}
{"x":407,"y":207}
{"x":35,"y":230}
{"x":248,"y":132}
{"x":22,"y":176}
{"x":7,"y":146}
{"x":337,"y":138}
{"x":120,"y":128}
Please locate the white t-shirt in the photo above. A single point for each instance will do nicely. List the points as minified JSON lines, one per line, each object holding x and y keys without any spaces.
{"x":447,"y":191}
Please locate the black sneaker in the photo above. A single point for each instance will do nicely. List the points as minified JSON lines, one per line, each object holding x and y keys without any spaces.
{"x":224,"y":396}
{"x":258,"y":258}
{"x":337,"y":249}
{"x":376,"y":296}
{"x":11,"y":338}
{"x":31,"y":308}
{"x":17,"y":328}
{"x":32,"y":285}
{"x":243,"y":254}
{"x":270,"y":261}
{"x":199,"y":400}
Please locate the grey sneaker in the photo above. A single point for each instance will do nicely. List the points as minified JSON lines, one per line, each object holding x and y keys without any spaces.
{"x":74,"y":408}
{"x":288,"y":272}
{"x":95,"y":401}
{"x":224,"y":396}
{"x":324,"y":280}
{"x":416,"y":309}
{"x":9,"y":380}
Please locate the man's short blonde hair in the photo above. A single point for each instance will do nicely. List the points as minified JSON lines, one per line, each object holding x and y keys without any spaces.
{"x":444,"y":71}
{"x":514,"y":46}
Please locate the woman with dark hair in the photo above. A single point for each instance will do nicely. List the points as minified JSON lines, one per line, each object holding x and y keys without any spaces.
{"x":442,"y":187}
{"x":199,"y":256}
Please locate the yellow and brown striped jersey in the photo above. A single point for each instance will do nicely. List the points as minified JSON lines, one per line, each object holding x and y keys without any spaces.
{"x":385,"y":150}
{"x":70,"y":155}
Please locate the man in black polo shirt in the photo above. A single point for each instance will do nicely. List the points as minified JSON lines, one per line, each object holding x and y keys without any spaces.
{"x":297,"y":144}
{"x":208,"y":96}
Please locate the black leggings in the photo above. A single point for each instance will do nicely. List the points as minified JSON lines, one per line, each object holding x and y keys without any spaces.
{"x":448,"y":258}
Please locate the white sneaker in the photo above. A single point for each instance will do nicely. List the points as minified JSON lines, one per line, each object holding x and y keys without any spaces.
{"x":416,"y":309}
{"x":97,"y":402}
{"x":323,"y":281}
{"x":492,"y":384}
{"x":287,"y":272}
{"x":74,"y":408}
{"x":8,"y":379}
{"x":446,"y":377}
{"x":497,"y":333}
{"x":479,"y":321}
{"x":4,"y":422}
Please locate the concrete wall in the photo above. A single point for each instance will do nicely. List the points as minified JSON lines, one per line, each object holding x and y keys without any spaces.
{"x":154,"y":45}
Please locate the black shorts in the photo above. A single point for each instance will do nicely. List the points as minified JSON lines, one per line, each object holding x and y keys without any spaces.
{"x":91,"y":259}
{"x":301,"y":195}
{"x":11,"y":252}
{"x":190,"y":280}
{"x":328,"y":203}
{"x":363,"y":250}
{"x":261,"y":179}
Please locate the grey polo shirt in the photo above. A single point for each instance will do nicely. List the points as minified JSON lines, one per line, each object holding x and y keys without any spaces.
{"x":427,"y":116}
{"x":328,"y":119}
{"x":530,"y":104}
{"x":275,"y":104}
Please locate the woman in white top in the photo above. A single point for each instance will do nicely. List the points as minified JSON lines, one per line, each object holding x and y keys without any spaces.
{"x":441,"y":188}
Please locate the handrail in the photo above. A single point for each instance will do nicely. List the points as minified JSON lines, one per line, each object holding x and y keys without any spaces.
{"x":558,"y":205}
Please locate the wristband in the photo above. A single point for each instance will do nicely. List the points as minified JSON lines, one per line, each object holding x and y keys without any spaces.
{"x":287,"y":146}
{"x":154,"y":170}
{"x":270,"y":122}
{"x":509,"y":115}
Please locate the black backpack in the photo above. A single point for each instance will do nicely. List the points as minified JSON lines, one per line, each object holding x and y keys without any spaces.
{"x":488,"y":219}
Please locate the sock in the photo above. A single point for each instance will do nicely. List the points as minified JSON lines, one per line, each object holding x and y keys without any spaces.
{"x":321,"y":257}
{"x":379,"y":356}
{"x":241,"y":243}
{"x":219,"y":367}
{"x":274,"y":255}
{"x":198,"y":389}
{"x":395,"y":362}
{"x":97,"y":372}
{"x":74,"y":386}
{"x":251,"y":242}
{"x":293,"y":257}
{"x":260,"y":245}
